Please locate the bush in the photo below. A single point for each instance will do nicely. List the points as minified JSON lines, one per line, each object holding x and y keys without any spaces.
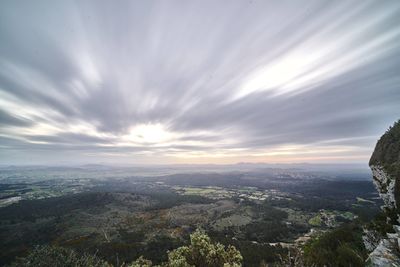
{"x":340,"y":247}
{"x":201,"y":252}
{"x":47,"y":256}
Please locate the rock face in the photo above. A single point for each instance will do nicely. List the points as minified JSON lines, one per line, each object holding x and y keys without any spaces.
{"x":385,"y":185}
{"x":385,"y":166}
{"x":371,"y":239}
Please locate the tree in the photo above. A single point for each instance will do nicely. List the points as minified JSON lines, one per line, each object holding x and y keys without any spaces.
{"x":141,"y":262}
{"x":201,"y":252}
{"x":294,"y":258}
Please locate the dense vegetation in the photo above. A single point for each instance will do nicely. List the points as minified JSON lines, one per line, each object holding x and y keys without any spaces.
{"x":31,"y":210}
{"x":341,"y":247}
{"x":387,"y":150}
{"x":200,"y":252}
{"x":50,"y":256}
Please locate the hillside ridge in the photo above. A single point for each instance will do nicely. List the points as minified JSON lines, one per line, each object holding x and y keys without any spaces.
{"x":385,"y":166}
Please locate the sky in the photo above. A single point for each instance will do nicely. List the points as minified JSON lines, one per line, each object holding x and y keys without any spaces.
{"x":163,"y":82}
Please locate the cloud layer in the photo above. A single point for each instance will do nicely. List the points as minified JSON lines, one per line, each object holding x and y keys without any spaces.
{"x":196,"y":81}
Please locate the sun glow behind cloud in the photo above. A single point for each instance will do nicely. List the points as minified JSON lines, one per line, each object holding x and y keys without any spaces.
{"x":150,"y":133}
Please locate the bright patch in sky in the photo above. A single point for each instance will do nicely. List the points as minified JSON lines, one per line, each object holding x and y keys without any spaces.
{"x":281,"y":74}
{"x":150,"y":133}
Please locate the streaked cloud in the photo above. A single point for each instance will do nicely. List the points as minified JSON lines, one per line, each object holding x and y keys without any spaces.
{"x":197,"y":81}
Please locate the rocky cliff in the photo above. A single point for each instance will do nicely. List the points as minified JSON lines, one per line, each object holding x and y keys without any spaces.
{"x":385,"y":165}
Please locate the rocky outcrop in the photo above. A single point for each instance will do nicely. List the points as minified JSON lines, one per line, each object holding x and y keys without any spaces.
{"x":371,"y":239}
{"x":384,"y":163}
{"x":385,"y":254}
{"x":385,"y":184}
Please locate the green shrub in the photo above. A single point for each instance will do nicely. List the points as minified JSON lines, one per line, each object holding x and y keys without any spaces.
{"x":201,"y":252}
{"x":47,"y":256}
{"x":341,"y":247}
